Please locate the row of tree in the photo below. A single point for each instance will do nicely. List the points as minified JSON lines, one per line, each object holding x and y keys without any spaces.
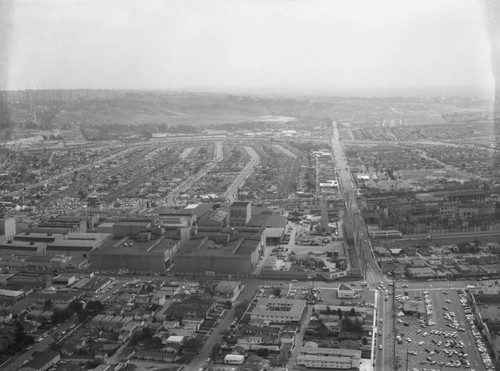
{"x":91,"y":309}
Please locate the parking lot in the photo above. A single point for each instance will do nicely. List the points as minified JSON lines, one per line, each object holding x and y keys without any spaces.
{"x":441,"y":340}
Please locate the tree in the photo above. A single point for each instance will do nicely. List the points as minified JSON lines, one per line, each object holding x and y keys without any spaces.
{"x":61,"y":315}
{"x":19,"y":334}
{"x":94,"y":307}
{"x":75,"y":306}
{"x":147,"y":333}
{"x":347,"y":324}
{"x":156,"y":343}
{"x":48,"y":305}
{"x":240,"y":309}
{"x":216,"y":349}
{"x":277,"y":291}
{"x":264,"y":352}
{"x":194,"y":343}
{"x":352,"y":312}
{"x":357,"y":326}
{"x":339,"y":313}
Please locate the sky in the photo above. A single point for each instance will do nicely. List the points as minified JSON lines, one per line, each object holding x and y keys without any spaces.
{"x":246,"y":45}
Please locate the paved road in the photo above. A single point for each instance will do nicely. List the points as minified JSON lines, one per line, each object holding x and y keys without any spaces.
{"x":348,"y":192}
{"x":52,"y":336}
{"x":219,"y":155}
{"x":201,"y":360}
{"x":243,"y":175}
{"x":70,"y":172}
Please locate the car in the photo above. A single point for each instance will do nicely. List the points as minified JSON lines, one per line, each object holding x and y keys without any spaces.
{"x":380,"y":347}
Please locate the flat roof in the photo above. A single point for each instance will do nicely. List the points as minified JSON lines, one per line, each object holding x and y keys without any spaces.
{"x":41,"y":359}
{"x":171,"y":211}
{"x":134,"y":247}
{"x":241,"y":246}
{"x":15,"y":244}
{"x":134,"y":223}
{"x":268,"y":221}
{"x":84,"y":244}
{"x":264,"y":307}
{"x":88,"y":236}
{"x":331,"y":351}
{"x":39,"y":235}
{"x":421,"y":269}
{"x":227,"y":285}
{"x":11,"y":293}
{"x":240,"y":203}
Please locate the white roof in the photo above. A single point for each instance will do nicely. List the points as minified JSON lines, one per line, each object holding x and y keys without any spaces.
{"x":234,"y":357}
{"x":175,"y":339}
{"x":11,"y":293}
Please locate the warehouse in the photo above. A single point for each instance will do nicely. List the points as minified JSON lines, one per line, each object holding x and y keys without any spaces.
{"x":235,"y":255}
{"x":132,"y":255}
{"x":22,"y":248}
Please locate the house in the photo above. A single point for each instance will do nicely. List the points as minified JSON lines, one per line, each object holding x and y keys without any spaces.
{"x":174,"y":348}
{"x":174,"y":339}
{"x":228,"y":289}
{"x":153,"y":355}
{"x":5,"y":316}
{"x":42,"y":361}
{"x":234,"y":359}
{"x":344,"y":291}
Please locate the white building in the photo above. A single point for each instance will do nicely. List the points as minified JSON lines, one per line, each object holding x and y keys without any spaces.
{"x":278,"y":310}
{"x":234,"y":359}
{"x":329,"y":358}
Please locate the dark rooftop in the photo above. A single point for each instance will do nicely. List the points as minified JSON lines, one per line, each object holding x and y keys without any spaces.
{"x":207,"y":247}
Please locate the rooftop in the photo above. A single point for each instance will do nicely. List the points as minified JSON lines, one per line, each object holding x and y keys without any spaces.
{"x":41,"y":359}
{"x":267,"y":221}
{"x":22,"y":245}
{"x":73,"y":244}
{"x":240,"y":203}
{"x":279,"y":307}
{"x":240,"y":246}
{"x":131,"y":246}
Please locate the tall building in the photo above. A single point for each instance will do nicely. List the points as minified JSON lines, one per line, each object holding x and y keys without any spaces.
{"x":240,"y":213}
{"x":7,"y":228}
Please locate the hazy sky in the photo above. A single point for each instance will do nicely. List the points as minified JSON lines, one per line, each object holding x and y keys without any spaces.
{"x":228,"y":45}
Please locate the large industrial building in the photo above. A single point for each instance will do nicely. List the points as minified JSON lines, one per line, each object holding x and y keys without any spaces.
{"x":220,"y":253}
{"x":21,"y":248}
{"x":146,"y":252}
